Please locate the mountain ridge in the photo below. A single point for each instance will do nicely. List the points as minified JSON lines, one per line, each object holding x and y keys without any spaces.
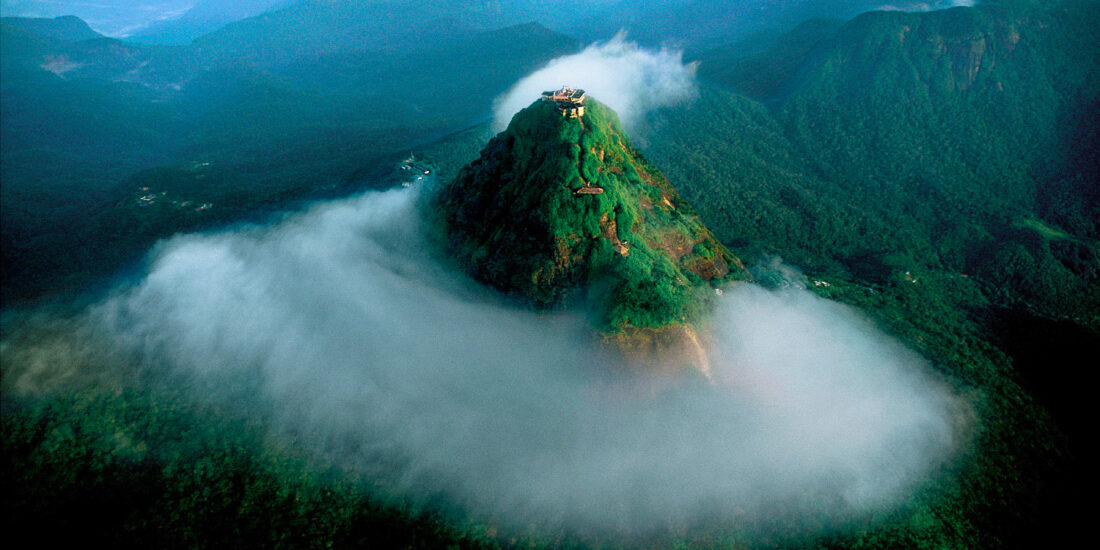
{"x":66,"y":28}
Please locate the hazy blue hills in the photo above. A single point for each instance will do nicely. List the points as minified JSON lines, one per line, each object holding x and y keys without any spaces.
{"x":203,"y":17}
{"x":704,"y":24}
{"x":320,"y":27}
{"x":107,"y":109}
{"x":68,"y":28}
{"x":79,"y":55}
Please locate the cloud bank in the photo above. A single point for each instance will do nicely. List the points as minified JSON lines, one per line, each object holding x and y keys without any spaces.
{"x":928,"y":6}
{"x":347,"y":336}
{"x":630,"y":79}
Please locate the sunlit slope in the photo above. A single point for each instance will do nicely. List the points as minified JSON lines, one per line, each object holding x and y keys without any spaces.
{"x":518,"y":219}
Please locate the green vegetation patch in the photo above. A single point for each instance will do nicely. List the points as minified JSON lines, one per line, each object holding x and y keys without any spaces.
{"x":555,"y":206}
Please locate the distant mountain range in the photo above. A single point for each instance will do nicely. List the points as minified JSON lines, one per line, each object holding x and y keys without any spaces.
{"x":695,"y":23}
{"x":67,"y":28}
{"x":83,"y":113}
{"x":204,"y":17}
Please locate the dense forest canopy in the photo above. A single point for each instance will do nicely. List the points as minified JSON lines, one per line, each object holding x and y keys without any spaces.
{"x":935,"y":168}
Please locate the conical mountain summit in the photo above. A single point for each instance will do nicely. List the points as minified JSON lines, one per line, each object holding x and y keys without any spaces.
{"x":561,"y":206}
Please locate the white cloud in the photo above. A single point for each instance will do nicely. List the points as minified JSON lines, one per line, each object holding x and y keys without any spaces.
{"x":354,"y":341}
{"x":927,"y":6}
{"x":630,"y":79}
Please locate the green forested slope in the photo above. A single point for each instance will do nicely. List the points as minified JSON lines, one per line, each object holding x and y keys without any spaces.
{"x":513,"y":219}
{"x":950,"y":132}
{"x":145,"y":468}
{"x":938,"y":170}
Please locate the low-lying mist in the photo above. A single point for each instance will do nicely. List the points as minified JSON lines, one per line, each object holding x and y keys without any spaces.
{"x":352,"y":339}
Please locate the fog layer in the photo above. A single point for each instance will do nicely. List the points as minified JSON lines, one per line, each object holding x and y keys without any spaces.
{"x":351,"y":339}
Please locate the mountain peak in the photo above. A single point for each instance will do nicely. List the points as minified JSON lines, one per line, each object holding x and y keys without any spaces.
{"x":560,"y":205}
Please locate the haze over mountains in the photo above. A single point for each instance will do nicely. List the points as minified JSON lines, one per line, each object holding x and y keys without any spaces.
{"x":935,"y":170}
{"x":209,"y":119}
{"x":157,"y":21}
{"x":181,"y":21}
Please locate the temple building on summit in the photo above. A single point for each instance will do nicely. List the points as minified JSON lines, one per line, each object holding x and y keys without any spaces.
{"x":569,"y":101}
